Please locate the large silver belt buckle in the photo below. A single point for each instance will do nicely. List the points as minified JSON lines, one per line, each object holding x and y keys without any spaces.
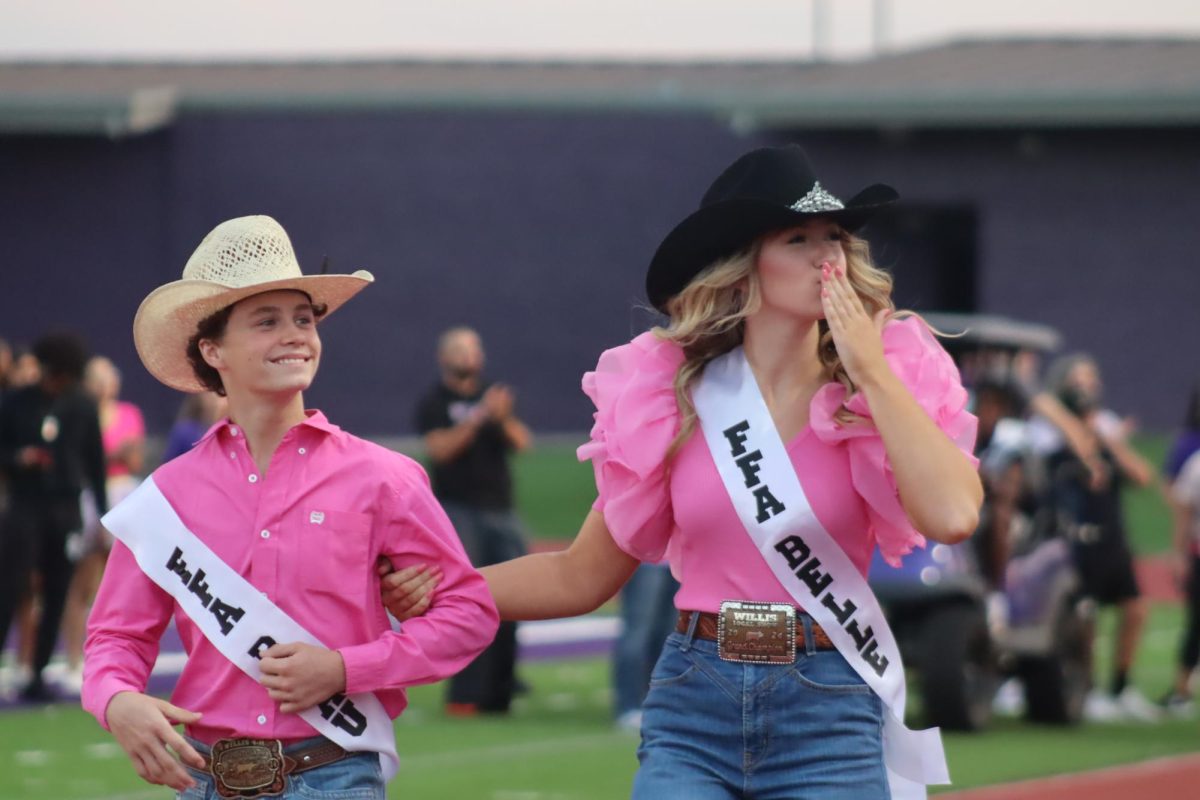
{"x":248,"y":768}
{"x":756,"y":633}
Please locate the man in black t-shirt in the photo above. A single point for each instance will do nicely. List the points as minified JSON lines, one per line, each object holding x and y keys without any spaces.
{"x":470,"y":429}
{"x":1087,"y":500}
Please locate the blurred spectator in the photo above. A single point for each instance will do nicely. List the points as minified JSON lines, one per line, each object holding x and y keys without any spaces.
{"x":1002,"y":449}
{"x":1008,"y":472}
{"x":124,"y":435}
{"x":1188,"y":441}
{"x":22,"y":371}
{"x":1183,"y":467}
{"x":50,"y":448}
{"x":121,"y":423}
{"x":197,"y":414}
{"x":470,"y":428}
{"x":647,"y":616}
{"x":6,"y":366}
{"x":25,"y":370}
{"x":6,"y":363}
{"x":1086,"y":494}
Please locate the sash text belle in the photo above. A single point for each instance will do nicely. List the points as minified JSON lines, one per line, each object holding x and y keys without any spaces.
{"x":807,"y":568}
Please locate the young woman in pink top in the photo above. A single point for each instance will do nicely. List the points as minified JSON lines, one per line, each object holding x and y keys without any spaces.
{"x":872,"y":415}
{"x":121,"y":424}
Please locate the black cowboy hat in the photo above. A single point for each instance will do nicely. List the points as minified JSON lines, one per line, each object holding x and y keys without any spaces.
{"x":765,"y":190}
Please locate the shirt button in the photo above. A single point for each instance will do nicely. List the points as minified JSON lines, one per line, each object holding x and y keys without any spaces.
{"x":302,"y":451}
{"x":232,"y":455}
{"x":233,"y":430}
{"x":262,"y":719}
{"x":253,"y":478}
{"x":265,"y":534}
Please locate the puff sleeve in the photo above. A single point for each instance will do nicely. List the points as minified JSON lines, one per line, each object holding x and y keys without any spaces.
{"x":636,"y":419}
{"x":929,"y":373}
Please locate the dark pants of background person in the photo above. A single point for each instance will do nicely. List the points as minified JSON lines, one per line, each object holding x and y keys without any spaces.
{"x":647,"y":616}
{"x":489,"y":537}
{"x":34,"y":537}
{"x":1189,"y":655}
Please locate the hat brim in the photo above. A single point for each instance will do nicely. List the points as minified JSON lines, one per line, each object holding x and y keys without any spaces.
{"x":722,"y":229}
{"x":168,"y":317}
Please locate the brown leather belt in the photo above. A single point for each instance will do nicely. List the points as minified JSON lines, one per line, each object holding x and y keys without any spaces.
{"x":249,"y":768}
{"x":708,"y":625}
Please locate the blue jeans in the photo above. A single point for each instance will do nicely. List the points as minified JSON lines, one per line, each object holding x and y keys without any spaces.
{"x":647,"y":616}
{"x":358,"y":776}
{"x":715,"y":730}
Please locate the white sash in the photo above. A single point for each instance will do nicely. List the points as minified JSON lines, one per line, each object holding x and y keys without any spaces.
{"x":235,"y":617}
{"x":817,"y":573}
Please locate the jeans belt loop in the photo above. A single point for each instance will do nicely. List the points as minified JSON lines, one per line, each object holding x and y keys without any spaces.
{"x":810,"y":643}
{"x":691,"y":632}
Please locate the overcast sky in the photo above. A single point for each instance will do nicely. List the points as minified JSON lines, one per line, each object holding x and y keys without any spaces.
{"x":549,"y":28}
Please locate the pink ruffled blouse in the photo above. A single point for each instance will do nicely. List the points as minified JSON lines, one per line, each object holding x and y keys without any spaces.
{"x":686,"y":516}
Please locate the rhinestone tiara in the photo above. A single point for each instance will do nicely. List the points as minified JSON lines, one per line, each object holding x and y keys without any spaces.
{"x":817,"y":199}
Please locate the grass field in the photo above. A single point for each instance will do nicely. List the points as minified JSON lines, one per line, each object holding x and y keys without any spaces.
{"x":558,"y":744}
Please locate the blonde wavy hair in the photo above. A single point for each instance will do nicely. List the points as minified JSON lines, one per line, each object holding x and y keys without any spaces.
{"x":708,"y":319}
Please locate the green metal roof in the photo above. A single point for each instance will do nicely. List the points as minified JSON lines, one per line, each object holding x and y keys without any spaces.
{"x":987,"y":83}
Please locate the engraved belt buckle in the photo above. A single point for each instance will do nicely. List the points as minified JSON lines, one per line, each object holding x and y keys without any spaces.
{"x":248,"y":768}
{"x":756,"y":633}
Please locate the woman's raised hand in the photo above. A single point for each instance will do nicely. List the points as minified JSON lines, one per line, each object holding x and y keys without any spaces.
{"x":857,"y":336}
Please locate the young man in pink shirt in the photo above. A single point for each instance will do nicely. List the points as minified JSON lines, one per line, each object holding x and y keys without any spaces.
{"x":260,"y":543}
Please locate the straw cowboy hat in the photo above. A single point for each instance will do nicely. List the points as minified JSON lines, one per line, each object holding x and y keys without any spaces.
{"x":240,"y":258}
{"x":765,"y":190}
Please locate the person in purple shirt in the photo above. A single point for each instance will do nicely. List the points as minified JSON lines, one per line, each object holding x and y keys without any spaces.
{"x":1188,"y":440}
{"x":197,"y":413}
{"x":299,"y":511}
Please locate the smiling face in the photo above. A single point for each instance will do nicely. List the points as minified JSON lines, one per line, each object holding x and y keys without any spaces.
{"x":270,"y":345}
{"x":789,"y":266}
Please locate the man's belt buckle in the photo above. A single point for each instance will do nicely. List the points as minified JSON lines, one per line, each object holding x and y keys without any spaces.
{"x":756,"y":633}
{"x":248,"y":768}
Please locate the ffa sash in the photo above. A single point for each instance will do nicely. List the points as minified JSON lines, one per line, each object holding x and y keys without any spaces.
{"x":811,"y":566}
{"x":235,"y":617}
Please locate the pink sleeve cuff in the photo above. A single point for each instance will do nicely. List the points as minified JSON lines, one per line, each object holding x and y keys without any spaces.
{"x":364,"y":665}
{"x":99,"y":693}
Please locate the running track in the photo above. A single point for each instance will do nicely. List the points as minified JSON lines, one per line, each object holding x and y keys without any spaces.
{"x":1176,"y":778}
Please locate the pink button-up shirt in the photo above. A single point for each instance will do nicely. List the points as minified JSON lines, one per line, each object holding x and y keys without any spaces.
{"x":306,"y":535}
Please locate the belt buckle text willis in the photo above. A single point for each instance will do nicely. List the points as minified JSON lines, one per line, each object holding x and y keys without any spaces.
{"x":756,"y":633}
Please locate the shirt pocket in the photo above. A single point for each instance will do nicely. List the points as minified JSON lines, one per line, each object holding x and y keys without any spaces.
{"x":334,"y":549}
